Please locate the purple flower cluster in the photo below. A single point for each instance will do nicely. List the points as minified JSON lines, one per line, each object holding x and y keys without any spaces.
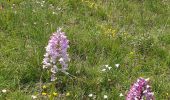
{"x":56,"y":53}
{"x":139,"y":90}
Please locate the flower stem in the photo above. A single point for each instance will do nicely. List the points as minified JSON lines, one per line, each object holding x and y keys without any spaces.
{"x":52,"y":90}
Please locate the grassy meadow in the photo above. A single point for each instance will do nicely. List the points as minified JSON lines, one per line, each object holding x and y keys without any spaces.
{"x":132,"y":33}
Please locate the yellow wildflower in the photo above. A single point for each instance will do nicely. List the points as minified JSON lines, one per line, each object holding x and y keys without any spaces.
{"x":55,"y":94}
{"x":131,"y":53}
{"x":125,"y":33}
{"x":44,"y":94}
{"x":109,"y":31}
{"x":113,"y":32}
{"x":91,"y":5}
{"x":44,"y":87}
{"x":86,"y":1}
{"x":68,"y":94}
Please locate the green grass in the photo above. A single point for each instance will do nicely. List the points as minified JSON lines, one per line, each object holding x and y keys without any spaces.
{"x":140,"y":45}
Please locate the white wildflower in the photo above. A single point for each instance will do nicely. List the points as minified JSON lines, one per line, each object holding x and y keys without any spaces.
{"x":90,"y":95}
{"x":109,"y":68}
{"x":51,"y":5}
{"x":34,"y":97}
{"x":109,"y":80}
{"x":61,"y":59}
{"x":105,"y":97}
{"x":117,"y":65}
{"x":4,"y":91}
{"x":53,"y":12}
{"x":43,"y":1}
{"x":121,"y":95}
{"x":59,"y":8}
{"x":106,"y":66}
{"x":103,"y":70}
{"x":147,"y":86}
{"x":33,"y":10}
